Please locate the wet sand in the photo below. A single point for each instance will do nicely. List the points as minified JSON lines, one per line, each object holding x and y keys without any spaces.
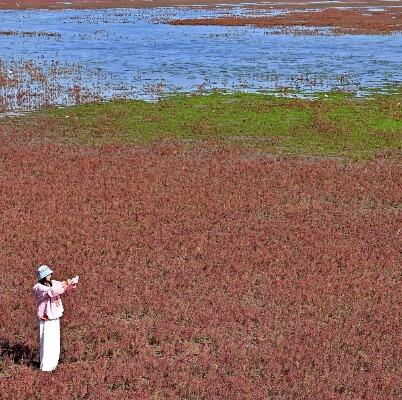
{"x":356,"y":21}
{"x":275,"y":4}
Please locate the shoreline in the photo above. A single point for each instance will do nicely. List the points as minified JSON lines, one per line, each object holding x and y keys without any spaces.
{"x":340,"y":16}
{"x":341,"y":21}
{"x":258,"y":4}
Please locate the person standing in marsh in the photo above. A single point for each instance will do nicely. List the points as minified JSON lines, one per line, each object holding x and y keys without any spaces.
{"x":47,"y":292}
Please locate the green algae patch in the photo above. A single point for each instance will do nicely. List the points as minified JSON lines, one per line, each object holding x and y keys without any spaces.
{"x":331,"y":124}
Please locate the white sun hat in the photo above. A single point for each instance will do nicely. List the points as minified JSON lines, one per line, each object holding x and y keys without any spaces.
{"x":43,"y":270}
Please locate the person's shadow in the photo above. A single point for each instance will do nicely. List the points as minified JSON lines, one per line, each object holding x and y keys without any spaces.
{"x":19,"y":353}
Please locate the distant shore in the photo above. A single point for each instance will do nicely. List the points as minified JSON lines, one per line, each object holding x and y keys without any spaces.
{"x":350,"y":21}
{"x":91,"y":4}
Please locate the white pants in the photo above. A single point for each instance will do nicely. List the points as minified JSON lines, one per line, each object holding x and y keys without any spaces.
{"x":49,"y":335}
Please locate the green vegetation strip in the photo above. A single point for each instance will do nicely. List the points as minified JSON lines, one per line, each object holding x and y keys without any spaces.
{"x":332,"y":124}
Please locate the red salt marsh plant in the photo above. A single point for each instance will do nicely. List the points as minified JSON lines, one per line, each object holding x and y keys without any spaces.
{"x":211,"y":273}
{"x":31,"y":85}
{"x":28,"y":33}
{"x":351,"y":21}
{"x":273,"y":4}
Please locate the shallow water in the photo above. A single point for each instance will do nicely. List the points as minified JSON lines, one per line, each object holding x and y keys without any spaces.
{"x":132,"y":53}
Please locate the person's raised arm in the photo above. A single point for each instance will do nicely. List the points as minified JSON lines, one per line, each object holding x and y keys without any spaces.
{"x":66,"y":283}
{"x":70,"y":283}
{"x":54,"y":291}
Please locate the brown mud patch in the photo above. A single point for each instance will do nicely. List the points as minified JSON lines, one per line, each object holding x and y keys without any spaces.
{"x":274,"y":4}
{"x":342,"y":21}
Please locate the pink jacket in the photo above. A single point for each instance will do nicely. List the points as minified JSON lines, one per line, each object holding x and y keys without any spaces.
{"x":48,"y":299}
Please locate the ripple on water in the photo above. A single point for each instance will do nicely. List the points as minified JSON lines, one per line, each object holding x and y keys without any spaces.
{"x":83,"y":55}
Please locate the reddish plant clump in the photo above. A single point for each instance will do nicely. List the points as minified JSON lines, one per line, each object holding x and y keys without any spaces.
{"x":211,"y":273}
{"x":342,"y":21}
{"x":92,"y":4}
{"x":260,"y":4}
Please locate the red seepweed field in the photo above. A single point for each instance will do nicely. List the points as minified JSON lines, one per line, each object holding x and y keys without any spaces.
{"x":341,"y":21}
{"x":210,"y":273}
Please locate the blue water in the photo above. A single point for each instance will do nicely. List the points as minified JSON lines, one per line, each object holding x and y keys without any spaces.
{"x":132,"y":53}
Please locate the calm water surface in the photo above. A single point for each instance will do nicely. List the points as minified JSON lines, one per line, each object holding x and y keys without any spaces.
{"x":133,"y":53}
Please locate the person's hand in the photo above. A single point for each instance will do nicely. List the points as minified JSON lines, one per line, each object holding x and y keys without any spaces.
{"x":66,"y":283}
